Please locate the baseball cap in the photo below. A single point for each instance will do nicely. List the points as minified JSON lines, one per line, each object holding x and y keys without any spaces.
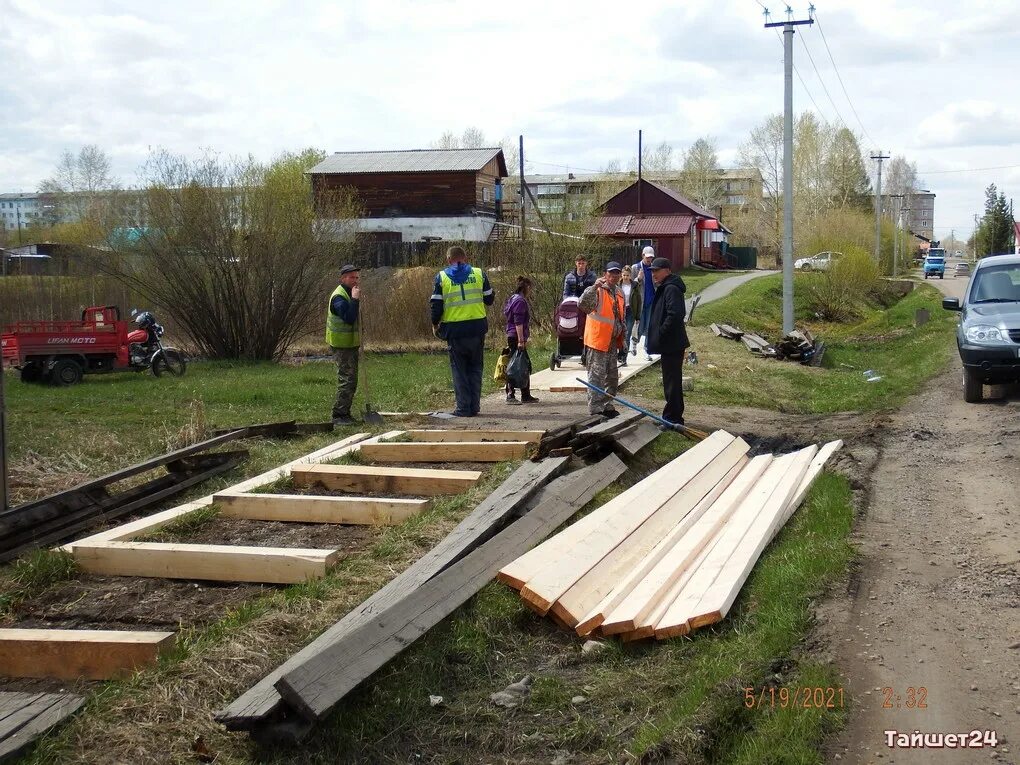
{"x":648,"y":251}
{"x":348,"y":269}
{"x":660,"y":263}
{"x":614,"y":266}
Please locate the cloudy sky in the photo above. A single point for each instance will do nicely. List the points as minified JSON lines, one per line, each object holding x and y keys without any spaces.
{"x":931,"y":80}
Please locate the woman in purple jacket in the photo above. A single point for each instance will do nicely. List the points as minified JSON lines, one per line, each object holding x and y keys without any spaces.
{"x":518,"y":321}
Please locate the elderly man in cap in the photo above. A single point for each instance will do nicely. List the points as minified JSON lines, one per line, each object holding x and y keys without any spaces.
{"x":343,"y":335}
{"x":642,"y":276}
{"x":667,"y":336}
{"x":604,"y":331}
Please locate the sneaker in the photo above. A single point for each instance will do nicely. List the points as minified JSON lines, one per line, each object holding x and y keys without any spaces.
{"x":344,"y":420}
{"x":512,"y":401}
{"x":529,"y":400}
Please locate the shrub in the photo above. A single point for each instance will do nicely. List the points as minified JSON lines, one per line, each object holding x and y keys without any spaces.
{"x":842,"y":291}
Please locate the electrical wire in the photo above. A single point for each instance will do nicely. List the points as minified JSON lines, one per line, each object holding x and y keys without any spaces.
{"x":819,"y":75}
{"x":840,"y":78}
{"x":799,"y":77}
{"x":967,"y":170}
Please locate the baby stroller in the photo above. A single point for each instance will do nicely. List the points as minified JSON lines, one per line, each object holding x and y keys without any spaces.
{"x":568,"y":321}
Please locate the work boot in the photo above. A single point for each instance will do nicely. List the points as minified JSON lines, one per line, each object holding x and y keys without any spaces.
{"x":527,"y":398}
{"x":609,"y":413}
{"x":511,"y":399}
{"x":344,"y":419}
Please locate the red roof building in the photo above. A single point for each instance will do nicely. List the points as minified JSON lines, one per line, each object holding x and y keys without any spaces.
{"x":648,"y":213}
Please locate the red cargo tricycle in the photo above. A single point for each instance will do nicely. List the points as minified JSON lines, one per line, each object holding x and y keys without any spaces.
{"x":61,"y":352}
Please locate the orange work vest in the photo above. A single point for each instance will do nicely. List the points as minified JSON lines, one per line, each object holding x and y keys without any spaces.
{"x":598,"y":325}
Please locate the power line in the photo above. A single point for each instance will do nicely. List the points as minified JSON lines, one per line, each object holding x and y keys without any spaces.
{"x":819,"y":75}
{"x":799,"y":77}
{"x":967,"y":170}
{"x":840,"y":78}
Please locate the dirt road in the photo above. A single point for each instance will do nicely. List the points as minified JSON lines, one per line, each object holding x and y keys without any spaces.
{"x":929,"y":639}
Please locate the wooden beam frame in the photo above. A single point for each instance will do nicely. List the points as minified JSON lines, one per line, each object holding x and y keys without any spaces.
{"x":76,"y":654}
{"x":303,"y":508}
{"x":151,"y":523}
{"x":446,"y":451}
{"x":218,"y":563}
{"x":433,"y":436}
{"x":415,"y":481}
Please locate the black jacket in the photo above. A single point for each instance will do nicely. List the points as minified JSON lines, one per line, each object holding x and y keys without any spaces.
{"x":667,"y":334}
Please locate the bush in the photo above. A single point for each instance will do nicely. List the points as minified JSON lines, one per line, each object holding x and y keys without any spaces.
{"x":843,"y":290}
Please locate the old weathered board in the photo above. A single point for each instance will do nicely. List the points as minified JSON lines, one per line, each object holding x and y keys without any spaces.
{"x":75,"y":654}
{"x":26,"y":716}
{"x":315,"y":686}
{"x":423,"y":482}
{"x":532,"y":436}
{"x":305,"y":508}
{"x":491,"y":515}
{"x":633,"y":441}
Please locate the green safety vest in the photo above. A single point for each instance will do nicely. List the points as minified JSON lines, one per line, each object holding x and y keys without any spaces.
{"x":340,"y":334}
{"x":462,"y":302}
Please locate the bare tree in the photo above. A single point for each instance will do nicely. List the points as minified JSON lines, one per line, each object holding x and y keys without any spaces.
{"x":701,"y":179}
{"x":81,"y":183}
{"x":237,"y":252}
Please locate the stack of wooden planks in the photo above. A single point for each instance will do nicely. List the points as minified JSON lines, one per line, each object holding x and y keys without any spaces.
{"x":754,"y":342}
{"x":671,"y":553}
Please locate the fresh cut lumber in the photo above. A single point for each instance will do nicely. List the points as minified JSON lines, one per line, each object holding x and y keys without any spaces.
{"x":622,"y":554}
{"x":489,"y":517}
{"x":314,"y":687}
{"x":625,"y":514}
{"x":217,"y":563}
{"x":650,"y":577}
{"x":305,"y":508}
{"x":446,"y":451}
{"x":422,"y":482}
{"x":77,"y":654}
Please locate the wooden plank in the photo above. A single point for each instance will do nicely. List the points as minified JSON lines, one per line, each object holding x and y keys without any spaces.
{"x":19,"y":730}
{"x":303,"y":508}
{"x":153,"y":522}
{"x":217,"y":563}
{"x":814,"y":470}
{"x":675,"y":619}
{"x":391,"y":480}
{"x":316,"y":685}
{"x":562,"y":380}
{"x":547,"y":585}
{"x":446,"y":451}
{"x":608,"y":427}
{"x":12,"y":701}
{"x":622,"y":554}
{"x":531,"y":436}
{"x":259,"y":701}
{"x":632,"y":600}
{"x":632,"y":442}
{"x":75,"y":654}
{"x":716,"y":601}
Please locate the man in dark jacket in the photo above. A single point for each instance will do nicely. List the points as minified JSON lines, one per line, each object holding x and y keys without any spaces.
{"x":667,"y":335}
{"x":578,"y":280}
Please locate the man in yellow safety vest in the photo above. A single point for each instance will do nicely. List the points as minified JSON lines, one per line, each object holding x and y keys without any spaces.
{"x":343,"y":335}
{"x":459,"y":297}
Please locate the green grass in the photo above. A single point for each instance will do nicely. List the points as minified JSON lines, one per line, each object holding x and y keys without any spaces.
{"x":697,"y":279}
{"x":32,"y":574}
{"x":882,"y":340}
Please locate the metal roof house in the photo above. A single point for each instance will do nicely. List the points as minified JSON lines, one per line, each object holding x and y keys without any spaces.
{"x":648,"y":213}
{"x":421,"y":194}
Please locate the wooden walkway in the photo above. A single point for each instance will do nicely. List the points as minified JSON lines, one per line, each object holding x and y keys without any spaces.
{"x":26,"y":716}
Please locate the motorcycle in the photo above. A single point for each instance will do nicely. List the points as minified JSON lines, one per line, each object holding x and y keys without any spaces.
{"x":146,"y":349}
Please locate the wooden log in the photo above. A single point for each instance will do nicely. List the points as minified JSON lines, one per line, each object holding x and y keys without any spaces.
{"x":531,"y":436}
{"x":422,"y":482}
{"x":316,"y":685}
{"x":153,"y":522}
{"x":302,"y":508}
{"x":252,"y":707}
{"x":623,"y":551}
{"x":217,"y":563}
{"x":546,"y":586}
{"x":632,"y":600}
{"x":76,"y":654}
{"x":27,"y":716}
{"x":446,"y":451}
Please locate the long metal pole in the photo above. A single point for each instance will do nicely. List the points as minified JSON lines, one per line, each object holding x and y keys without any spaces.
{"x":520,"y":156}
{"x":896,"y":236}
{"x":787,"y":179}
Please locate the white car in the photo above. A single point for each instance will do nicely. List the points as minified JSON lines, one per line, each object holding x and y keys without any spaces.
{"x":819,"y":262}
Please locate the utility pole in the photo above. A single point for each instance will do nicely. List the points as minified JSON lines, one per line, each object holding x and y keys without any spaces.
{"x":788,"y":26}
{"x":639,"y":172}
{"x":520,"y":156}
{"x":974,"y":239}
{"x":878,"y":206}
{"x":896,"y":234}
{"x":3,"y":440}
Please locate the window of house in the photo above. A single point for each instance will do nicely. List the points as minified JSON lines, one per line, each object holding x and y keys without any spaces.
{"x":485,"y":194}
{"x":706,"y":238}
{"x":645,"y":243}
